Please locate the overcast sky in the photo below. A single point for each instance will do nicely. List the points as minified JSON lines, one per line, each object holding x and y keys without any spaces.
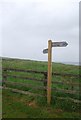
{"x":27,"y":25}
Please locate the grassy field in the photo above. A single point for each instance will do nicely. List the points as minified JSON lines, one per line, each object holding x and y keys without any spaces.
{"x":16,"y":105}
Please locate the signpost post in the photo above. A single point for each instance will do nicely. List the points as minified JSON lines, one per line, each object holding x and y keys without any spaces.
{"x":49,"y":51}
{"x":49,"y":71}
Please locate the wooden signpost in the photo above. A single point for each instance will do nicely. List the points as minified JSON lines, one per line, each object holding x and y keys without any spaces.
{"x":49,"y":51}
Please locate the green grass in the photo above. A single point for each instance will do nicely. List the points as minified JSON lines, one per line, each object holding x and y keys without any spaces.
{"x":0,"y":103}
{"x":39,"y":108}
{"x":23,"y":106}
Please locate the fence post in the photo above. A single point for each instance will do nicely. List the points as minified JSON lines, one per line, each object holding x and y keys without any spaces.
{"x":45,"y":84}
{"x":49,"y":71}
{"x":4,"y":77}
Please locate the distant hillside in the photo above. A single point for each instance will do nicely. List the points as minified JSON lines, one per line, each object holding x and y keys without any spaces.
{"x":39,"y":65}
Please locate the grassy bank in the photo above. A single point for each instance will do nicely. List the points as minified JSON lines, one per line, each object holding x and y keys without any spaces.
{"x":27,"y":106}
{"x":21,"y":106}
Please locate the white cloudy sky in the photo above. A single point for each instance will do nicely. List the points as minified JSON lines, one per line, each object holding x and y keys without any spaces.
{"x":27,"y":25}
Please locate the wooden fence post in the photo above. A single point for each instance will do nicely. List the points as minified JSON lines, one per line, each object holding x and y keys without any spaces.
{"x":45,"y":84}
{"x":49,"y":72}
{"x":4,"y":77}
